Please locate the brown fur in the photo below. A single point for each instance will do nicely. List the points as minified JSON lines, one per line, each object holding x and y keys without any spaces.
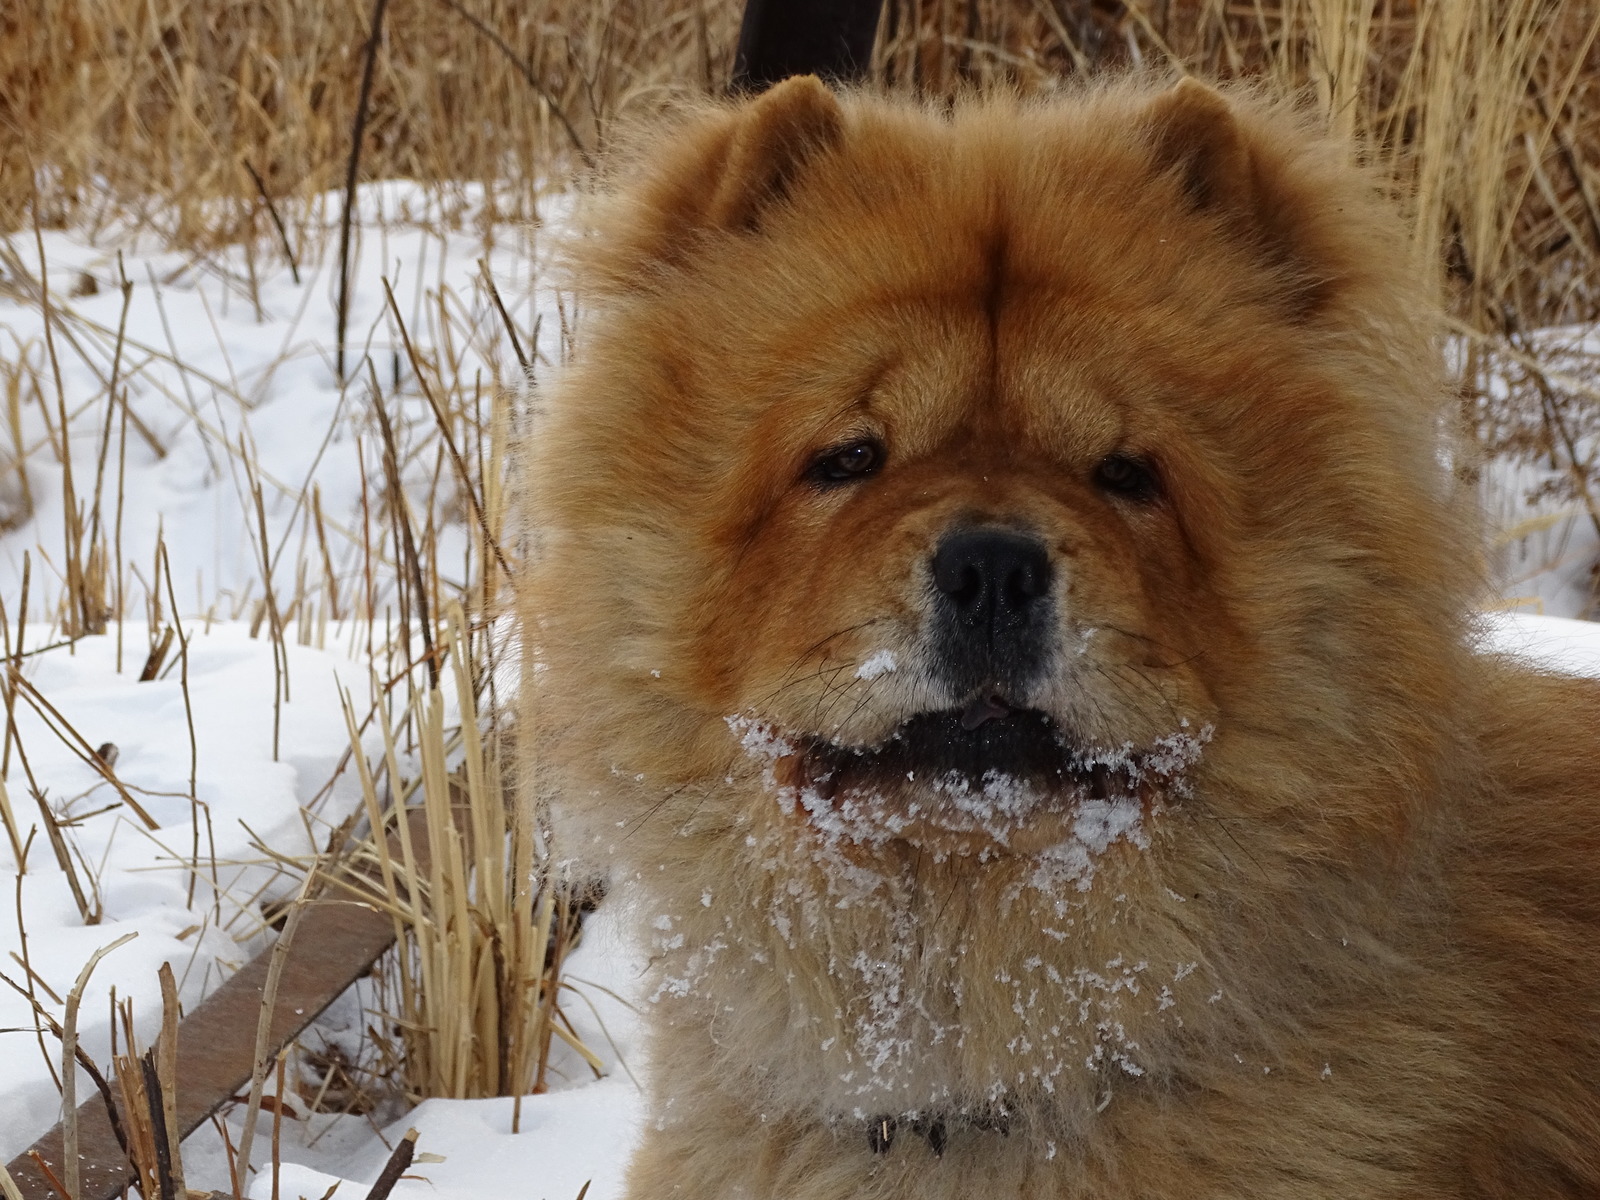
{"x":1352,"y":949}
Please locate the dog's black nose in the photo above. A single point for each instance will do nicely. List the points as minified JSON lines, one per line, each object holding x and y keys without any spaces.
{"x":993,"y":587}
{"x":992,"y":576}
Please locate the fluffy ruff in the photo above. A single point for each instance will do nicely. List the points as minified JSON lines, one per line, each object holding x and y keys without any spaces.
{"x":1001,"y":614}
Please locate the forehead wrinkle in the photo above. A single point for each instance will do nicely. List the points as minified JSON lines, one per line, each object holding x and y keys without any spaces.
{"x":1051,"y":387}
{"x":857,"y":408}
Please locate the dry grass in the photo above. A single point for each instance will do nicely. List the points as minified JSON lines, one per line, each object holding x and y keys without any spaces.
{"x":482,"y":925}
{"x":212,"y":119}
{"x":192,"y":114}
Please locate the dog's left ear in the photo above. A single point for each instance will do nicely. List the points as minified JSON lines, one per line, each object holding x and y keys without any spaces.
{"x":1224,"y":168}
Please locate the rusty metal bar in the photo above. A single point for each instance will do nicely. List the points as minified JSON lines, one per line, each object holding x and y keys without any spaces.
{"x":336,"y":943}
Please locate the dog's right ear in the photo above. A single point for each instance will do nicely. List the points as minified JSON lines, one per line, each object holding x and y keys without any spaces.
{"x":728,"y":172}
{"x":772,"y":141}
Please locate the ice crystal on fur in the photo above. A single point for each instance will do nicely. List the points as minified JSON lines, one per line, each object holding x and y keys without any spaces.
{"x":879,"y":663}
{"x":759,"y":739}
{"x":902,"y":992}
{"x":999,"y":804}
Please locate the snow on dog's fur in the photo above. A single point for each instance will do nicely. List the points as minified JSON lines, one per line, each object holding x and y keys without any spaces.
{"x":1003,"y":617}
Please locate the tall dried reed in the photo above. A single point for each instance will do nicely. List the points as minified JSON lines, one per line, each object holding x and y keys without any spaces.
{"x":198,"y":116}
{"x":456,"y":856}
{"x":218,"y":120}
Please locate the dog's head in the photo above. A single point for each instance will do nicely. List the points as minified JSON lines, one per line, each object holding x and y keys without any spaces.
{"x":973,"y":472}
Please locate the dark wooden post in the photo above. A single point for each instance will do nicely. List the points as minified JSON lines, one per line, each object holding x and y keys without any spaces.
{"x":779,"y":38}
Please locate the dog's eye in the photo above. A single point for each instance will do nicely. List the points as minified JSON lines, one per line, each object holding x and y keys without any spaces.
{"x":1128,"y":477}
{"x":855,"y":460}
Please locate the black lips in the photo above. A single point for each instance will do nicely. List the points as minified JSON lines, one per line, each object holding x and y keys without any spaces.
{"x":939,"y":746}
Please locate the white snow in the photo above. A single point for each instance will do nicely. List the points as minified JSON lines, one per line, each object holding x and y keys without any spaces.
{"x":135,"y":871}
{"x":260,"y":368}
{"x":566,"y":1139}
{"x":880,"y":662}
{"x":1542,"y":506}
{"x":1555,"y":643}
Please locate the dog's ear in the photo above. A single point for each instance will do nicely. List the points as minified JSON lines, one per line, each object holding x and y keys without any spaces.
{"x":724,"y":172}
{"x":1196,"y":137}
{"x":771,"y":142}
{"x":1225,"y":169}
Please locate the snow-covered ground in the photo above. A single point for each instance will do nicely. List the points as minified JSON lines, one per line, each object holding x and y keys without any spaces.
{"x":257,"y":355}
{"x":1547,"y":545}
{"x":256,"y":399}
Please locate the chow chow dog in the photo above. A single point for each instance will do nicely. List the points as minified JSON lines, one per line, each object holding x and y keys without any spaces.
{"x":1003,"y":610}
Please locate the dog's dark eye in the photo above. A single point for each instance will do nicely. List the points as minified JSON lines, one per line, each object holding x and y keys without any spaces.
{"x":1128,"y":477}
{"x":855,"y":460}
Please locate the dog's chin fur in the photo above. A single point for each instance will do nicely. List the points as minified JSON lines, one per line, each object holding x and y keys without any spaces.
{"x":1256,"y":881}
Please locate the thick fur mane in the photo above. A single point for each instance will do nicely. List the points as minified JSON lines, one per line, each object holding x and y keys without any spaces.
{"x":1297,"y":950}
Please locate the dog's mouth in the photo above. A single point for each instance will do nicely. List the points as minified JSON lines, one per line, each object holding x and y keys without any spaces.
{"x":984,"y":776}
{"x":986,"y":769}
{"x":985,"y":749}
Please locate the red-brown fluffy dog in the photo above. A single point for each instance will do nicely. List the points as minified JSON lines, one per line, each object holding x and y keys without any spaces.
{"x":1003,"y":611}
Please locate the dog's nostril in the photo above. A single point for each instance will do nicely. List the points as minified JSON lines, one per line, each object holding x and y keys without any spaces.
{"x":1029,"y":579}
{"x":991,"y":574}
{"x":961,"y":581}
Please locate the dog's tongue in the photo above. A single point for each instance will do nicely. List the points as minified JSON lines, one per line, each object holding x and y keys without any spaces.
{"x":982,"y":710}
